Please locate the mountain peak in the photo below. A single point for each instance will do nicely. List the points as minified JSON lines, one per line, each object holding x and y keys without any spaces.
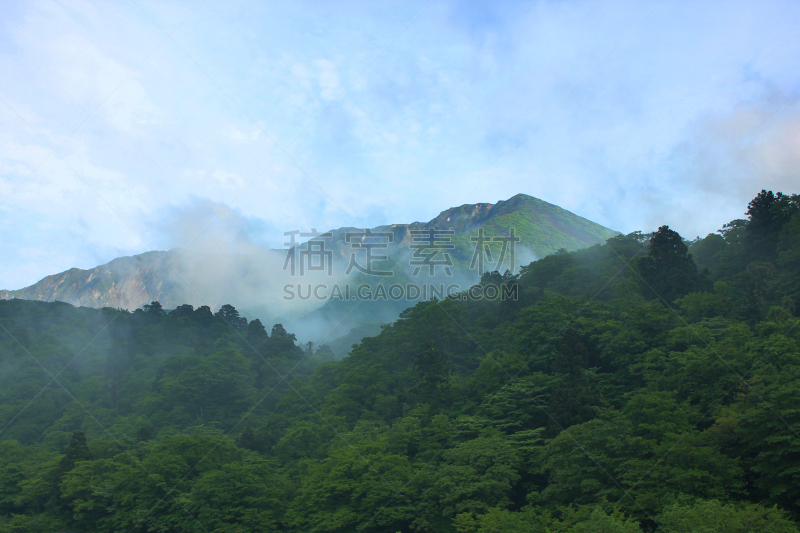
{"x":526,"y":214}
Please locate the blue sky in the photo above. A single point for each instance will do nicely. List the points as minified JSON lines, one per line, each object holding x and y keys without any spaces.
{"x":319,"y":114}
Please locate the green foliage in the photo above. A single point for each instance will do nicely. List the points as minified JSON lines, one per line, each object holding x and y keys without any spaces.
{"x":477,"y":474}
{"x":585,"y":405}
{"x":359,"y":486}
{"x":600,"y":522}
{"x":668,"y":271}
{"x":433,"y":368}
{"x":713,"y":516}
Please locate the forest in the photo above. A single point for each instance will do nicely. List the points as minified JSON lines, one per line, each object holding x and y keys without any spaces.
{"x":647,"y":384}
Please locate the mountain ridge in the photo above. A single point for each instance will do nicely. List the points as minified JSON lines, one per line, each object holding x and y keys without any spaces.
{"x":130,"y":281}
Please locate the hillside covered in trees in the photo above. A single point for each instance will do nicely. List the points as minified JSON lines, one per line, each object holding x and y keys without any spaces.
{"x":644,"y":384}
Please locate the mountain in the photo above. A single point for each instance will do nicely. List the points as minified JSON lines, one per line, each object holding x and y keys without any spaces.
{"x":542,"y":229}
{"x":125,"y":282}
{"x":257,"y":281}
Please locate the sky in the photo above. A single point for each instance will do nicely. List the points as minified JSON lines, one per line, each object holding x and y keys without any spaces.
{"x":132,"y":126}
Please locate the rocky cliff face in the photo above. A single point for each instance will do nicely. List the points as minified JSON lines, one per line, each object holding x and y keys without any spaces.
{"x":125,"y":282}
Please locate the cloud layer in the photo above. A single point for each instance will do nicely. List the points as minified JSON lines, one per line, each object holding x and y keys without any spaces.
{"x":312,"y":114}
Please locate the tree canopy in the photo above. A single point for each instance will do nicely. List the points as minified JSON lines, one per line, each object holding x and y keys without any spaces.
{"x":649,"y":384}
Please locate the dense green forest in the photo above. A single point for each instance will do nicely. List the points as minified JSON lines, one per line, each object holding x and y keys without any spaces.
{"x":646,"y":384}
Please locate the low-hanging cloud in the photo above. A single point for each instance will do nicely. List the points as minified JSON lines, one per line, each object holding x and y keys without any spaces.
{"x":224,"y":256}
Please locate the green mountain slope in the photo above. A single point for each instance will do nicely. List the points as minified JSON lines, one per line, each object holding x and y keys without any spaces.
{"x":541,"y":228}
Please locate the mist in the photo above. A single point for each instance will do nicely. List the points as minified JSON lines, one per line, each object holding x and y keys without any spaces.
{"x":224,"y":257}
{"x":221,"y":256}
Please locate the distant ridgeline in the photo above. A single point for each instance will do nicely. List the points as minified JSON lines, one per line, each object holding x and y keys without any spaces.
{"x":644,"y":384}
{"x":130,"y":282}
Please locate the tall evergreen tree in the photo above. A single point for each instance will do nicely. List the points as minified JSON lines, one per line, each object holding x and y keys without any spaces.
{"x":230,"y":315}
{"x":256,"y":333}
{"x":668,"y":270}
{"x":154,"y":309}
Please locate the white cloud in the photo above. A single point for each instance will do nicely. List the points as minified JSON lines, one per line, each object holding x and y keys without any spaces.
{"x":328,"y":78}
{"x":239,"y":137}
